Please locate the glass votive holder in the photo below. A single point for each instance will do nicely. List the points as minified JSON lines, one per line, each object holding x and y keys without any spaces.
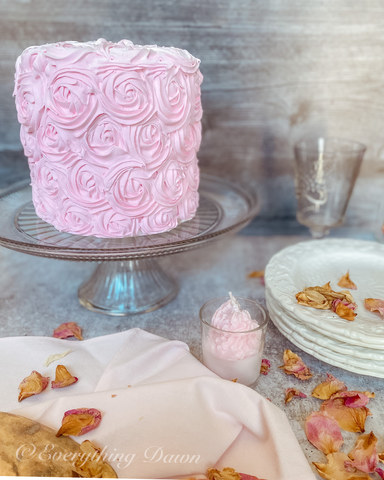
{"x":234,"y":355}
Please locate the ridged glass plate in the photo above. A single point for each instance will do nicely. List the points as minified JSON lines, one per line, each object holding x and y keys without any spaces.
{"x":224,"y":208}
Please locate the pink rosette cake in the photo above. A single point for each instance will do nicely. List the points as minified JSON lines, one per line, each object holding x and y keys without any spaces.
{"x":111,"y":132}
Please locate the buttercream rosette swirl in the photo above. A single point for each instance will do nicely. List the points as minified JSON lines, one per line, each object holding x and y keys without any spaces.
{"x":111,"y":132}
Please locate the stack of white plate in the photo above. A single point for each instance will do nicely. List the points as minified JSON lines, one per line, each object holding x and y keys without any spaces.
{"x":356,"y":346}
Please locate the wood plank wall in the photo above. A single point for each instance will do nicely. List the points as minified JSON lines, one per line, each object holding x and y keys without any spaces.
{"x":273,"y":71}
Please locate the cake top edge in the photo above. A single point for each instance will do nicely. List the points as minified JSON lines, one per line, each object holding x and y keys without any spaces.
{"x":124,"y":51}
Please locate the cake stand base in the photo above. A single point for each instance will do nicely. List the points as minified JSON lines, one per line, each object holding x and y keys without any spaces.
{"x":127,"y":287}
{"x":128,"y":279}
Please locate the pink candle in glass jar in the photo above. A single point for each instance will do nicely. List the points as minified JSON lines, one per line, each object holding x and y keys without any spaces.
{"x":233,"y":336}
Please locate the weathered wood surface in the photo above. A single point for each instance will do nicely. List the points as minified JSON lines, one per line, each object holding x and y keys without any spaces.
{"x":273,"y":71}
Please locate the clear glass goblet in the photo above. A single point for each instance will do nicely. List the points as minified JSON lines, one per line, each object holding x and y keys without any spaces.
{"x":325,"y":174}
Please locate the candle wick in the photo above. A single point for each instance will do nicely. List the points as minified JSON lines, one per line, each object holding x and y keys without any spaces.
{"x":234,"y":302}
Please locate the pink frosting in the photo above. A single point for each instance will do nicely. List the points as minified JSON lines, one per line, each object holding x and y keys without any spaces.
{"x":111,"y":132}
{"x":231,"y":346}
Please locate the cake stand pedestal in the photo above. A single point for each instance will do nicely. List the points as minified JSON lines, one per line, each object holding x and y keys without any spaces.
{"x":123,"y":288}
{"x":128,"y":279}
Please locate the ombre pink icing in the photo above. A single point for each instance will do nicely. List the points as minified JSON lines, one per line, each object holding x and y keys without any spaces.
{"x":231,"y":318}
{"x":111,"y":132}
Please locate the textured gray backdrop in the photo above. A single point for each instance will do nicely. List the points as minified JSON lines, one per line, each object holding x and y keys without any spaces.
{"x":273,"y":71}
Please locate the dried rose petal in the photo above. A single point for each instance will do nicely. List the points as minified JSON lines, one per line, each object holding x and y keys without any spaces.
{"x":349,"y":419}
{"x":369,"y":394}
{"x":380,"y":472}
{"x":322,"y":297}
{"x":63,"y":378}
{"x":79,"y":421}
{"x":90,"y":464}
{"x":265,"y":366}
{"x":311,"y":298}
{"x":344,"y":309}
{"x":323,"y":432}
{"x":375,"y":305}
{"x":330,"y":386}
{"x":353,"y":399}
{"x":34,"y":384}
{"x":256,"y":274}
{"x":68,"y":329}
{"x":293,"y":365}
{"x":225,"y":474}
{"x":335,"y":468}
{"x":293,"y":392}
{"x":364,"y":456}
{"x":54,"y":358}
{"x":346,"y":282}
{"x":228,"y":474}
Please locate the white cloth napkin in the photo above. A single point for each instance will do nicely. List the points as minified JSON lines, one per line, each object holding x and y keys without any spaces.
{"x":177,"y":418}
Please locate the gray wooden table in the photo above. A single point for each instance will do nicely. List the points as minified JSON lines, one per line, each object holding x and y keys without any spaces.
{"x":37,"y":294}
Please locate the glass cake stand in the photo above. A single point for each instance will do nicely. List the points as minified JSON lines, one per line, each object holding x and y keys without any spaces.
{"x":128,"y":279}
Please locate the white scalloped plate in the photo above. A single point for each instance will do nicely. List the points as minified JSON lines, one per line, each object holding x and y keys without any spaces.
{"x":320,"y":261}
{"x":354,"y":359}
{"x":313,"y":336}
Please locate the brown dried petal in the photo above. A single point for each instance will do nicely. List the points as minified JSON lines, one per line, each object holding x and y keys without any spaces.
{"x":79,"y":421}
{"x":349,"y":419}
{"x":34,"y":384}
{"x":265,"y":366}
{"x":256,"y":274}
{"x":68,"y":329}
{"x":323,"y":297}
{"x":344,"y":309}
{"x":228,"y":474}
{"x":369,"y":394}
{"x":346,"y":282}
{"x":375,"y":305}
{"x":225,"y":474}
{"x":330,"y":294}
{"x":90,"y":464}
{"x":331,"y":385}
{"x":312,"y":298}
{"x":326,"y":287}
{"x":364,"y":456}
{"x":293,"y":392}
{"x":335,"y":469}
{"x":293,"y":365}
{"x":323,"y":432}
{"x":63,"y":378}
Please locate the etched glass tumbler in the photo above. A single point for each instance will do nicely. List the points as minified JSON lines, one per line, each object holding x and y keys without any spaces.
{"x":325,"y":173}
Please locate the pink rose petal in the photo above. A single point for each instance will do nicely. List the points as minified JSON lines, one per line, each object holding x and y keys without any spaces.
{"x":353,"y":399}
{"x":375,"y":305}
{"x":265,"y":366}
{"x":323,"y":432}
{"x":79,"y":421}
{"x":364,"y":456}
{"x":380,"y":472}
{"x":68,"y":329}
